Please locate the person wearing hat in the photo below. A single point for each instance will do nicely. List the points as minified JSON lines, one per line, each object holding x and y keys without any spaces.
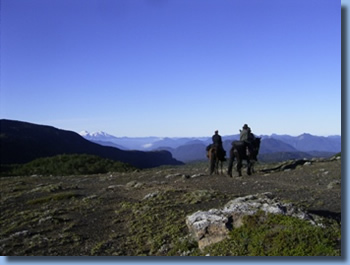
{"x":217,"y":138}
{"x":217,"y":142}
{"x":244,"y":133}
{"x":247,"y":137}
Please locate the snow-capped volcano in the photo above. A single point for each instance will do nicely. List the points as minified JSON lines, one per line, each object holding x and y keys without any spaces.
{"x":131,"y":143}
{"x":84,"y":133}
{"x":97,"y":136}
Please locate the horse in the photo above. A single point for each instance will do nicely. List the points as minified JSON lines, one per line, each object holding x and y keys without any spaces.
{"x":239,"y":151}
{"x":215,"y":160}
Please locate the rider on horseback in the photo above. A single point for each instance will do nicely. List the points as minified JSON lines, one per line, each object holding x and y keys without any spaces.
{"x":245,"y":149}
{"x":247,"y":137}
{"x":217,"y":142}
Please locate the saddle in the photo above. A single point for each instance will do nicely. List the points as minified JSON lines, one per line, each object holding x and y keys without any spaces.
{"x":239,"y":144}
{"x":221,"y":151}
{"x":242,"y":145}
{"x":208,"y":147}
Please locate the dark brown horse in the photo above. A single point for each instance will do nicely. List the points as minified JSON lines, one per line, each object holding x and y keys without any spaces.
{"x":240,"y":152}
{"x":215,"y":160}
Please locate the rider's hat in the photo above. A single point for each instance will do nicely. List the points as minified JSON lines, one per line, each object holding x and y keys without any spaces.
{"x":245,"y":126}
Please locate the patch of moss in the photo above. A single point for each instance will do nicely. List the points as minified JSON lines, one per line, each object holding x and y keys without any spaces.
{"x":21,"y":221}
{"x":98,"y":248}
{"x":199,"y":195}
{"x":53,"y":197}
{"x":157,"y":227}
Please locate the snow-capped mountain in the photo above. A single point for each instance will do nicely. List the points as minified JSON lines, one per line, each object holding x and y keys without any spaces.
{"x":126,"y":143}
{"x":97,"y":136}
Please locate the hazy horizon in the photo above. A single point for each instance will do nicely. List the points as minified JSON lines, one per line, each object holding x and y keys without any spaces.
{"x":203,"y":136}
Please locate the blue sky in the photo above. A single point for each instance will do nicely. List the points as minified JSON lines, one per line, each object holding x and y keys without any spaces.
{"x":173,"y":67}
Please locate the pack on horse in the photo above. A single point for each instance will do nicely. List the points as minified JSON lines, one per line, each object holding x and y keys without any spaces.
{"x":216,"y":158}
{"x":240,"y":151}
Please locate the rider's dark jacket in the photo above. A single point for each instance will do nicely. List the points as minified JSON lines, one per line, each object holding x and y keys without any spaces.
{"x":217,"y":140}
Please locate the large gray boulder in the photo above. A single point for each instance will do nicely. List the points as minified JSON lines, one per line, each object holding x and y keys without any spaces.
{"x":212,"y":226}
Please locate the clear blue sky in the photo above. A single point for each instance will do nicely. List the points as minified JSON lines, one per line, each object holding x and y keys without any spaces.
{"x":173,"y":67}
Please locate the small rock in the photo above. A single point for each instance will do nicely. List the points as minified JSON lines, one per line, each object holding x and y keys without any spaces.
{"x":42,"y":220}
{"x":151,"y":195}
{"x":138,"y":185}
{"x":173,"y":175}
{"x":134,"y":184}
{"x":333,"y":184}
{"x":197,"y":175}
{"x":202,"y":224}
{"x":91,"y":197}
{"x":20,"y":233}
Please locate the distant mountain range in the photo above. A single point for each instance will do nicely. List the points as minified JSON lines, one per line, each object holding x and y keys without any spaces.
{"x":273,"y":147}
{"x":22,"y":142}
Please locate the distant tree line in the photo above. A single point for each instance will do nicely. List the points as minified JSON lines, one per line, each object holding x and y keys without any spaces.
{"x":76,"y":164}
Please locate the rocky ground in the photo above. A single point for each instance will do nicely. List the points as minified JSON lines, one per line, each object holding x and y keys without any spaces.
{"x":144,"y":212}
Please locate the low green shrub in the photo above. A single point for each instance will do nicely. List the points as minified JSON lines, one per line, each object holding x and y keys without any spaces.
{"x":278,"y":235}
{"x":75,"y":164}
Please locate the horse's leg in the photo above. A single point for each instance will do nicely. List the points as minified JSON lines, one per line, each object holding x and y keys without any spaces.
{"x":212,"y":162}
{"x":211,"y":165}
{"x":217,"y":165}
{"x":249,"y":166}
{"x":239,"y":167}
{"x":230,"y":163}
{"x":229,"y":168}
{"x":252,"y":166}
{"x":239,"y":162}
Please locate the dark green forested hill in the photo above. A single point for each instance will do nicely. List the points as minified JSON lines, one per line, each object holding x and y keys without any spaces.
{"x":22,"y":142}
